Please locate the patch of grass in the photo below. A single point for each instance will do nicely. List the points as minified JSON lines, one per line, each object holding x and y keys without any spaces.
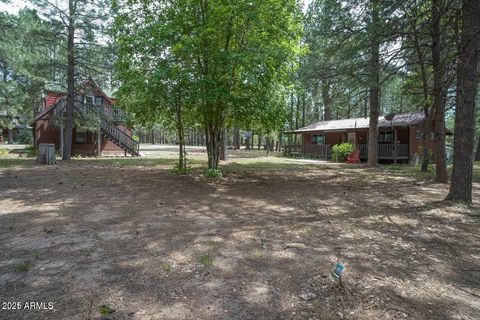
{"x":214,"y":173}
{"x":15,"y":162}
{"x":206,"y":260}
{"x":311,"y":232}
{"x":181,"y":170}
{"x":23,"y":266}
{"x":410,"y":171}
{"x":4,"y":151}
{"x":105,"y":310}
{"x":263,"y":243}
{"x":167,"y":267}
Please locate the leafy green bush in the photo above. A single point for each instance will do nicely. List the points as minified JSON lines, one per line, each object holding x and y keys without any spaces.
{"x":31,"y":150}
{"x":24,"y":136}
{"x":213,"y":173}
{"x":182,"y":170}
{"x":341,"y":151}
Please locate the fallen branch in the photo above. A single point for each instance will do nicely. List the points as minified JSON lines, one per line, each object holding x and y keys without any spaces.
{"x":464,"y":290}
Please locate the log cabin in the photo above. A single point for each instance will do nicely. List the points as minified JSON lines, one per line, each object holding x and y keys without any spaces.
{"x":399,"y":137}
{"x":113,"y":136}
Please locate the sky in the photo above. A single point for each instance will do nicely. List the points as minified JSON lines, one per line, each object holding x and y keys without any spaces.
{"x":15,"y":5}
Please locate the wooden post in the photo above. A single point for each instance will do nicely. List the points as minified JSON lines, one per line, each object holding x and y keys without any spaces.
{"x":99,"y":142}
{"x":61,"y":140}
{"x":395,"y":145}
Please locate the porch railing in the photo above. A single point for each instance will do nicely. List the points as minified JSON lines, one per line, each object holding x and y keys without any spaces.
{"x":386,"y":150}
{"x":315,"y":150}
{"x":320,"y":150}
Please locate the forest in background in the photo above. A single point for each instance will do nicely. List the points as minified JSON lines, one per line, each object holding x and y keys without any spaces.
{"x":199,"y":71}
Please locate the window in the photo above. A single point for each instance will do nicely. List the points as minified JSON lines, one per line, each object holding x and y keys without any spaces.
{"x":81,"y":135}
{"x":386,"y":136}
{"x":418,"y":134}
{"x":89,"y":99}
{"x":98,"y":101}
{"x":318,"y":139}
{"x":352,"y":138}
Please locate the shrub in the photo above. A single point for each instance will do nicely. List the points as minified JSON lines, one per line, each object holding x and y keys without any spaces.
{"x":31,"y":150}
{"x":341,"y":151}
{"x":24,"y":136}
{"x":23,"y":266}
{"x":213,"y":173}
{"x":182,"y":170}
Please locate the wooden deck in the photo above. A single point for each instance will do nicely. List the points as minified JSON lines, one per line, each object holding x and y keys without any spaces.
{"x":386,"y":151}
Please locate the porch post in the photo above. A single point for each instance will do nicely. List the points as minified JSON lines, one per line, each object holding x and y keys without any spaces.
{"x":395,"y":144}
{"x":61,"y":141}
{"x":99,"y":142}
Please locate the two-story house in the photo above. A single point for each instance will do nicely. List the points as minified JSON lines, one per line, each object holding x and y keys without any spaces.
{"x":112,"y":137}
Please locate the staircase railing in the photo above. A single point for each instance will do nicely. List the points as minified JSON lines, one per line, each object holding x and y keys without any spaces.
{"x":111,"y":130}
{"x":123,"y":139}
{"x":106,"y":116}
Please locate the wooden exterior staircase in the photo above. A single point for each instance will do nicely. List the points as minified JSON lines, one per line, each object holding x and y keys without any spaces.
{"x":108,"y":121}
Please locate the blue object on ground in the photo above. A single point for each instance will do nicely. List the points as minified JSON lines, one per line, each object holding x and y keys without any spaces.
{"x":338,"y":269}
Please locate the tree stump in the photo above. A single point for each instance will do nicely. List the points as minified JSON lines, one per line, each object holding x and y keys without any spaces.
{"x":46,"y":153}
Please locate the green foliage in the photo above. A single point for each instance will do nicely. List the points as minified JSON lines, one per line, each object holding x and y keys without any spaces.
{"x":23,"y":266}
{"x":212,"y":63}
{"x":31,"y":150}
{"x":214,"y":173}
{"x":24,"y":136}
{"x":206,"y":260}
{"x":167,"y":267}
{"x":105,"y":310}
{"x":4,"y":151}
{"x":341,"y":151}
{"x":182,"y":170}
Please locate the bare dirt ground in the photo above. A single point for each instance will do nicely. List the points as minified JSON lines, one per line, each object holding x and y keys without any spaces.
{"x":256,"y":244}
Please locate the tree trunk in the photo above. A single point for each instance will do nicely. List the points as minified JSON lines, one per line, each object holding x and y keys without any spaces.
{"x":46,"y":153}
{"x":224,"y":145}
{"x":152,"y":136}
{"x":10,"y":136}
{"x":477,"y":155}
{"x":438,"y":96}
{"x":327,"y":101}
{"x":259,"y":141}
{"x":236,"y":138}
{"x":374,"y":87}
{"x":248,"y":145}
{"x":67,"y":144}
{"x":182,"y":159}
{"x":467,"y":79}
{"x":212,"y":140}
{"x":426,"y":133}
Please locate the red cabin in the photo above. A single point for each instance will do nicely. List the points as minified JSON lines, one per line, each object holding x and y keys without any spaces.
{"x":113,"y":136}
{"x":399,"y":138}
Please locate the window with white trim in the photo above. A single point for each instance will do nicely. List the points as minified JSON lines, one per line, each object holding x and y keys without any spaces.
{"x":418,"y":134}
{"x":89,"y":99}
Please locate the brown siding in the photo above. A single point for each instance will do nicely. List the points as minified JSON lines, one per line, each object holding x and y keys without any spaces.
{"x":46,"y":133}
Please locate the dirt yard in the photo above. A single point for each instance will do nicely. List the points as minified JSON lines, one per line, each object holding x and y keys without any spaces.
{"x":131,"y":236}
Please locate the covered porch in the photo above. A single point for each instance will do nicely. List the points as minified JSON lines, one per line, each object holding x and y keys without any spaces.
{"x":386,"y":151}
